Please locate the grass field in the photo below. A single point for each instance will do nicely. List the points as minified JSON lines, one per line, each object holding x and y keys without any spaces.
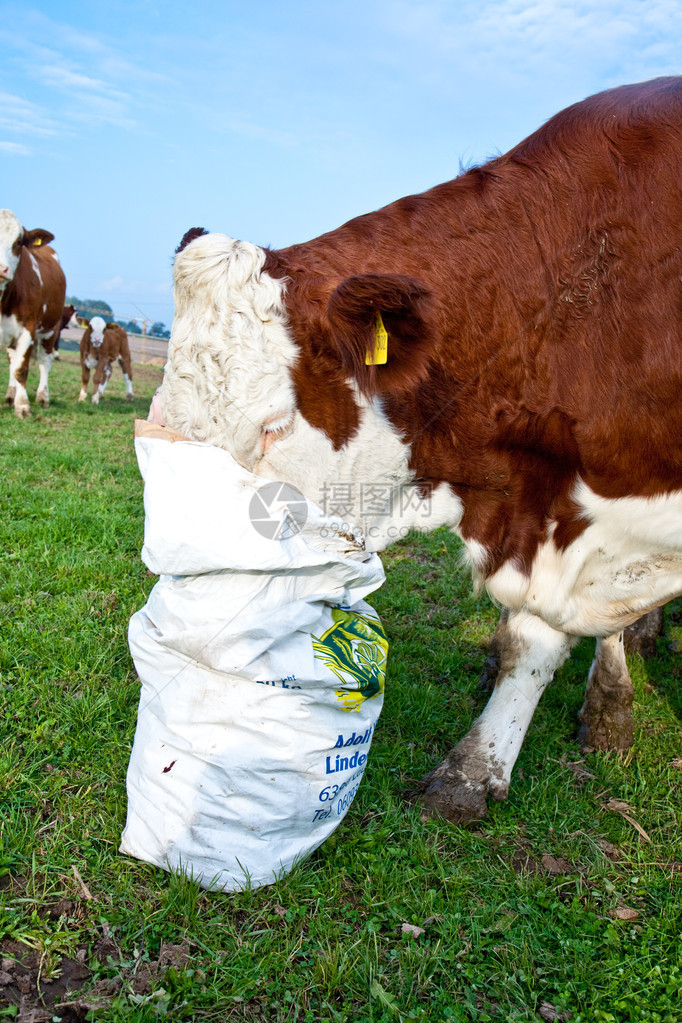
{"x":564,"y":904}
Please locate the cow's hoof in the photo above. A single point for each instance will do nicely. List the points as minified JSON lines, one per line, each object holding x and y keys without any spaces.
{"x":82,"y":397}
{"x":9,"y":396}
{"x":452,"y":796}
{"x":129,"y":397}
{"x":43,"y":399}
{"x":22,"y":411}
{"x":611,"y":729}
{"x":95,"y":399}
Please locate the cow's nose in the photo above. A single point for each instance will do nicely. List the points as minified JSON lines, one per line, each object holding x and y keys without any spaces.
{"x":4,"y":272}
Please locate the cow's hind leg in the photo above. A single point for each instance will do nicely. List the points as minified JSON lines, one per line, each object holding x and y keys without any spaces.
{"x":480,"y":765}
{"x":127,"y":370}
{"x":606,"y":715}
{"x":44,"y":364}
{"x":641,"y":636}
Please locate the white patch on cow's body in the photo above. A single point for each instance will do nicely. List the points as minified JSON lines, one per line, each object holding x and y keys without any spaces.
{"x":91,"y":361}
{"x":36,"y":268}
{"x":475,"y":557}
{"x":627,"y":561}
{"x":366,"y":485}
{"x":41,"y":334}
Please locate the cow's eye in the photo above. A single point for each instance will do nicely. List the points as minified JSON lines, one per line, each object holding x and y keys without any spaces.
{"x":276,"y":429}
{"x":279,"y":424}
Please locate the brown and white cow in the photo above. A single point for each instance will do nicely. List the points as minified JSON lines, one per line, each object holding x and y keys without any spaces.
{"x":32,"y":289}
{"x":100,"y":345}
{"x":530,"y":397}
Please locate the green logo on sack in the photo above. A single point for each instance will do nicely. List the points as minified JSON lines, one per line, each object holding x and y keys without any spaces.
{"x":354,"y":648}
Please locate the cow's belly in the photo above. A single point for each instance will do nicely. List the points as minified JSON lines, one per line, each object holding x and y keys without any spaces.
{"x":626,"y":562}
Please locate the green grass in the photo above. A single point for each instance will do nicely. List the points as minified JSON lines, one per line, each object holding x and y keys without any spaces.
{"x":502,"y":935}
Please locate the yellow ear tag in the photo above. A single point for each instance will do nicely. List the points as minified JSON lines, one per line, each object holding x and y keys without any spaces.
{"x":38,"y":241}
{"x":380,"y":355}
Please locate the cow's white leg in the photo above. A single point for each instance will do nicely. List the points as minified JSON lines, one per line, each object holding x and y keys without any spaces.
{"x":96,"y":395}
{"x":124,"y":363}
{"x":44,"y":363}
{"x":606,"y":715}
{"x":481,"y":763}
{"x":100,"y":382}
{"x":18,"y":372}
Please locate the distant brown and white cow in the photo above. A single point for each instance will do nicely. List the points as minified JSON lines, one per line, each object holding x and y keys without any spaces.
{"x":530,"y":397}
{"x":100,"y":345}
{"x":32,"y":289}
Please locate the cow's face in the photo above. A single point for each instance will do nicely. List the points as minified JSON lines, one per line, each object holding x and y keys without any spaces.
{"x":11,"y":233}
{"x":236,"y":377}
{"x":13,"y":239}
{"x":97,"y":336}
{"x":228,"y":379}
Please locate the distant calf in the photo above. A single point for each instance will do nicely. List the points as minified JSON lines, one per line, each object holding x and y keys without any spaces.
{"x":100,"y":345}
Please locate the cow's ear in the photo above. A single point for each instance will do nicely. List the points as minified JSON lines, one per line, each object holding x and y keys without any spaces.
{"x":363,"y":310}
{"x":37,"y":237}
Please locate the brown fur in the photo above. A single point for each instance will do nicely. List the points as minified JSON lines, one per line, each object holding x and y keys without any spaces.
{"x":534,"y":315}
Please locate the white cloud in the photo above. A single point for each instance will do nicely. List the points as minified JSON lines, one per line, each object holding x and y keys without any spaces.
{"x":14,"y":149}
{"x":23,"y":117}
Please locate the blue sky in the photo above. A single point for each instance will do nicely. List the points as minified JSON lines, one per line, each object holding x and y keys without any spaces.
{"x":122,"y":124}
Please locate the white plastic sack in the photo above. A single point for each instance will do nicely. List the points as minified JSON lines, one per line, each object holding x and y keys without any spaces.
{"x":262,"y":673}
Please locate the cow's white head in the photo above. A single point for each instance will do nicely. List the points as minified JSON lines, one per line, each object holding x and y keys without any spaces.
{"x":97,"y":336}
{"x":13,"y":238}
{"x":228,"y":378}
{"x":236,"y":378}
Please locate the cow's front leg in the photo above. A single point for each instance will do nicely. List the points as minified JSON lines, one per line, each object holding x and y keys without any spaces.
{"x":480,"y":765}
{"x":44,"y":363}
{"x":101,"y":379}
{"x":19,"y":358}
{"x":606,"y":715}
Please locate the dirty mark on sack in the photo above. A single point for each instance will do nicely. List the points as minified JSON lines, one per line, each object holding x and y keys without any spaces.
{"x":167,"y":769}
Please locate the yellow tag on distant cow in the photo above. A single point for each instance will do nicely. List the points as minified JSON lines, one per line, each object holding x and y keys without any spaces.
{"x":380,"y":355}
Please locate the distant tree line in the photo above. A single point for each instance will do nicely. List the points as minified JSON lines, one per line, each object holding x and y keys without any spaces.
{"x":87,"y":308}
